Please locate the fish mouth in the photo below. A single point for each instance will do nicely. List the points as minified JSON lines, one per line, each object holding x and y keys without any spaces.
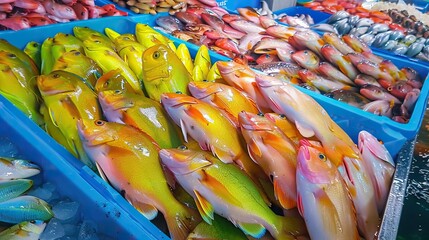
{"x":226,"y":67}
{"x":113,"y":103}
{"x":180,"y":163}
{"x":173,"y":101}
{"x":156,"y":72}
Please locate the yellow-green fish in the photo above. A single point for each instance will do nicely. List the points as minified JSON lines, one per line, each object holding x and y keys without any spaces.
{"x":76,"y":62}
{"x":13,"y":188}
{"x":52,"y":128}
{"x":112,"y":34}
{"x":163,"y":72}
{"x":214,"y":75}
{"x":68,"y":98}
{"x":32,"y":49}
{"x":142,"y":113}
{"x":149,"y":37}
{"x":109,"y":60}
{"x":129,"y":160}
{"x":63,"y":43}
{"x":183,"y":53}
{"x":225,"y":190}
{"x":113,"y":80}
{"x":86,"y":33}
{"x":27,"y":230}
{"x":17,"y":84}
{"x":220,"y":228}
{"x":131,"y":52}
{"x":46,"y":56}
{"x":202,"y":64}
{"x":6,"y":46}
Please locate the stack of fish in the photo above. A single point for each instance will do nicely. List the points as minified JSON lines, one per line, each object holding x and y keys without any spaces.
{"x":333,"y":6}
{"x":21,"y":14}
{"x":409,"y":40}
{"x":27,"y":212}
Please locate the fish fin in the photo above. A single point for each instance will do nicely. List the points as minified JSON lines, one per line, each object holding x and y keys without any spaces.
{"x":219,"y":189}
{"x":285,"y":200}
{"x":70,"y":107}
{"x":224,"y":156}
{"x":304,"y":130}
{"x":380,"y":151}
{"x":299,"y":204}
{"x":112,"y":34}
{"x":169,"y":176}
{"x":196,"y":114}
{"x":183,"y":128}
{"x":101,"y":172}
{"x":253,"y":229}
{"x":327,"y":206}
{"x":254,"y":150}
{"x":204,"y":207}
{"x":148,"y":210}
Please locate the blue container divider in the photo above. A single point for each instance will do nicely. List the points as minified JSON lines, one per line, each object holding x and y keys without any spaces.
{"x":96,"y":202}
{"x":317,"y":16}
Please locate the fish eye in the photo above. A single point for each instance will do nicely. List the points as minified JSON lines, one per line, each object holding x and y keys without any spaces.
{"x":182,"y":147}
{"x":76,"y":53}
{"x":260,"y":114}
{"x":156,"y":55}
{"x":118,"y":92}
{"x":56,"y":75}
{"x":33,"y":221}
{"x":322,"y":157}
{"x":282,"y":116}
{"x":205,"y":80}
{"x":126,"y":38}
{"x":97,"y":41}
{"x":178,"y":92}
{"x":389,"y":89}
{"x":35,"y":44}
{"x":99,"y":122}
{"x":11,"y":55}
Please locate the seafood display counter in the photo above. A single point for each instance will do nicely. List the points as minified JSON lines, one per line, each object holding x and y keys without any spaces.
{"x":104,"y":201}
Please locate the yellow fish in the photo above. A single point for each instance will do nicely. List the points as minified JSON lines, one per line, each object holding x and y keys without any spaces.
{"x":128,"y":159}
{"x":202,"y":64}
{"x":183,"y":53}
{"x":163,"y":72}
{"x":113,"y":80}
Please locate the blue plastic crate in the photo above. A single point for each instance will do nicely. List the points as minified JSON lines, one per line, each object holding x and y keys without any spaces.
{"x":124,"y":9}
{"x":97,"y":201}
{"x":232,"y":5}
{"x":317,"y":16}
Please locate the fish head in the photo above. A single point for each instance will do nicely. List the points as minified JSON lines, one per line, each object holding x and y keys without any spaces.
{"x":254,"y":122}
{"x":204,"y":88}
{"x":313,"y":164}
{"x":372,"y":90}
{"x":328,"y":50}
{"x":57,"y":82}
{"x":82,"y":32}
{"x":234,"y":72}
{"x":155,"y":60}
{"x":174,"y":103}
{"x":8,"y":58}
{"x":182,"y":160}
{"x":97,"y":132}
{"x":367,"y":143}
{"x":21,"y":165}
{"x":113,"y":80}
{"x":231,"y":17}
{"x":305,"y":58}
{"x":115,"y":100}
{"x":96,"y":43}
{"x":65,"y":38}
{"x":34,"y":226}
{"x":307,"y":75}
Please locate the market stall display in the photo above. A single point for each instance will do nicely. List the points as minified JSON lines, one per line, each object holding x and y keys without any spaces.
{"x":190,"y":126}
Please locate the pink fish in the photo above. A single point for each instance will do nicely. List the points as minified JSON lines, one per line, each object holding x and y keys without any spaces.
{"x":413,"y":77}
{"x":40,"y":8}
{"x":69,"y":2}
{"x":306,"y":59}
{"x":6,"y":7}
{"x":211,"y":3}
{"x":281,"y":31}
{"x":59,"y":10}
{"x":363,"y":79}
{"x":243,"y":78}
{"x":188,"y":18}
{"x":342,"y":62}
{"x":322,"y":83}
{"x":356,"y":43}
{"x":410,"y":100}
{"x":381,"y":166}
{"x":228,"y":44}
{"x":267,"y":22}
{"x":323,"y":198}
{"x":267,"y":58}
{"x":285,"y":55}
{"x":250,"y":14}
{"x":39,"y":21}
{"x":271,"y":149}
{"x":269,"y":45}
{"x":81,"y":11}
{"x":27,"y":4}
{"x":249,"y":41}
{"x":335,"y":40}
{"x":372,"y":57}
{"x":231,"y":17}
{"x":379,"y":107}
{"x":373,"y":70}
{"x":400,"y":89}
{"x":309,"y":117}
{"x":333,"y":73}
{"x":246,"y":26}
{"x":15,"y":23}
{"x":389,"y":67}
{"x":377,"y":93}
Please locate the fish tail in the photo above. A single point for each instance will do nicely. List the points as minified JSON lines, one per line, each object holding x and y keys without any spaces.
{"x":181,"y":222}
{"x":289,"y":227}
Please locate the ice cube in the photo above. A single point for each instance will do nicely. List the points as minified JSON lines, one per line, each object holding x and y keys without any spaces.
{"x":54,"y":230}
{"x":49,"y":186}
{"x":70,"y":229}
{"x":67,"y":211}
{"x":40,"y":193}
{"x":88,"y":231}
{"x":7,"y":148}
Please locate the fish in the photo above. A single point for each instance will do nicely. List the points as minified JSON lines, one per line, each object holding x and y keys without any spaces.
{"x":46,"y":56}
{"x":24,"y":230}
{"x":20,"y":87}
{"x":267,"y":22}
{"x":149,"y":37}
{"x":377,"y":93}
{"x":349,"y":97}
{"x":229,"y":100}
{"x":323,"y":197}
{"x":169,"y":23}
{"x":228,"y":44}
{"x":142,"y":113}
{"x":113,"y":80}
{"x":32,"y":49}
{"x":284,"y":125}
{"x":220,"y":228}
{"x":246,"y":26}
{"x":225,"y":190}
{"x":271,"y":149}
{"x":249,"y":14}
{"x":214,"y":75}
{"x":281,"y":31}
{"x":267,"y":58}
{"x":307,"y":59}
{"x":380,"y":165}
{"x":332,"y":73}
{"x":356,"y":43}
{"x":309,"y":117}
{"x":410,"y":100}
{"x":322,"y":83}
{"x":337,"y":42}
{"x":164,"y":72}
{"x":363,"y":79}
{"x":58,"y":10}
{"x":202,"y":62}
{"x":400,"y":89}
{"x":88,"y":34}
{"x":295,"y":22}
{"x":128,"y":159}
{"x":63,"y":43}
{"x":248,"y":42}
{"x":8,"y":47}
{"x":379,"y":107}
{"x":335,"y":57}
{"x":188,"y":18}
{"x":14,"y":22}
{"x":107,"y":59}
{"x":76,"y":62}
{"x":286,"y":68}
{"x":24,"y":208}
{"x":310,"y":39}
{"x":412,"y":77}
{"x":13,"y":188}
{"x":201,"y":122}
{"x":12,"y":168}
{"x":183,"y":54}
{"x":68,"y":98}
{"x":243,"y":78}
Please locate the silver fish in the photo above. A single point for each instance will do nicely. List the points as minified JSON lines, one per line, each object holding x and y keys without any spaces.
{"x":364,"y":22}
{"x":169,"y":23}
{"x":414,"y":49}
{"x":11,"y":168}
{"x":378,"y":28}
{"x":337,"y":16}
